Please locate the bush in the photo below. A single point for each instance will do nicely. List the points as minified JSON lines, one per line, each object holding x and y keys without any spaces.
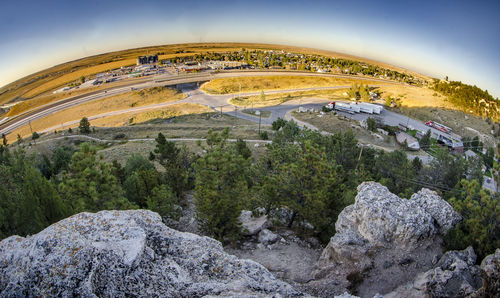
{"x":35,"y":135}
{"x":119,"y":136}
{"x":372,"y":124}
{"x":279,"y":123}
{"x":264,"y":135}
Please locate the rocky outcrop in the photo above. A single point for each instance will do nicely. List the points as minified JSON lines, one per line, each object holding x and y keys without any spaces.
{"x":126,"y":253}
{"x":455,"y":275}
{"x":383,"y":241}
{"x":490,"y":272}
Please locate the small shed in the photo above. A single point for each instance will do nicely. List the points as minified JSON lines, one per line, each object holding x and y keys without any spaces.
{"x":412,"y":142}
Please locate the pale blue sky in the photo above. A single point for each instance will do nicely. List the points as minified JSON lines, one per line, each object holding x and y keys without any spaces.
{"x":455,"y":38}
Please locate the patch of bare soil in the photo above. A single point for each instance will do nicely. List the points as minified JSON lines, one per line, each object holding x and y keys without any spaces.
{"x":289,"y":259}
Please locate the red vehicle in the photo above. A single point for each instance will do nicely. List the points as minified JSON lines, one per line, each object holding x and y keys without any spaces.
{"x":439,"y":126}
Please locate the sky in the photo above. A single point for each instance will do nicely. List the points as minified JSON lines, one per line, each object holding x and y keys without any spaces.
{"x":458,"y":39}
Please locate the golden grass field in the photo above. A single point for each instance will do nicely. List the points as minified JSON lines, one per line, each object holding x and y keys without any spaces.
{"x":413,"y":97}
{"x":252,"y":84}
{"x":114,"y":103}
{"x":277,"y":98}
{"x":50,"y":98}
{"x":59,"y":75}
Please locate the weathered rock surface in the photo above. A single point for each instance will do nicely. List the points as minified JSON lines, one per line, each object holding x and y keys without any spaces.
{"x":267,"y":237}
{"x":490,"y":271}
{"x":252,"y":225}
{"x":126,"y":253}
{"x":383,"y":241}
{"x":455,"y":275}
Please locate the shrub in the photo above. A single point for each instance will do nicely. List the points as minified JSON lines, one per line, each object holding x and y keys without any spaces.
{"x":264,"y":135}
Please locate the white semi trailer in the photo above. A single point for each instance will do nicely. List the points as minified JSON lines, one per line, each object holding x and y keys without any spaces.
{"x":355,"y":107}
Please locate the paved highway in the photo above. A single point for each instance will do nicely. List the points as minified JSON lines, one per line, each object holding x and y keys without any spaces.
{"x":162,"y":80}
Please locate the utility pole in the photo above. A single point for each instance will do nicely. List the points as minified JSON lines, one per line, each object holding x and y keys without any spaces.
{"x":359,"y":158}
{"x":260,"y":117}
{"x":221,"y":111}
{"x":235,"y":111}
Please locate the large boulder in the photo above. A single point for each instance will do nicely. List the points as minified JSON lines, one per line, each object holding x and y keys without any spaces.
{"x":490,"y":271}
{"x":383,"y":241}
{"x":126,"y":253}
{"x":267,"y":237}
{"x":455,"y":275}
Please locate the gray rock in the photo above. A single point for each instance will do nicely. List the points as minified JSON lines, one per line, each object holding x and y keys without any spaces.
{"x":267,"y":237}
{"x":380,"y":229}
{"x":455,"y":275}
{"x":252,"y":225}
{"x":126,"y":253}
{"x":490,"y":271}
{"x":346,"y":295}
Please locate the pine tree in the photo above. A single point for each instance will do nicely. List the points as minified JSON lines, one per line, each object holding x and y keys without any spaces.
{"x":89,"y":185}
{"x":162,"y":200}
{"x":84,"y":126}
{"x":221,"y":188}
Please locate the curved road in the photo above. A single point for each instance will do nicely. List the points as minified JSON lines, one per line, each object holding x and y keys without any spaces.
{"x":11,"y":124}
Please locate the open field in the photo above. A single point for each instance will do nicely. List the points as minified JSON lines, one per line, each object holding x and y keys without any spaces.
{"x":157,"y":115}
{"x":186,"y":126}
{"x":113,"y":103}
{"x":413,"y":97}
{"x":252,"y":84}
{"x":277,"y":98}
{"x":64,"y":73}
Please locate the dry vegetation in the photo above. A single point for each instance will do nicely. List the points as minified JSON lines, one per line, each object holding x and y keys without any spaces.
{"x":415,"y":96}
{"x":141,"y":117}
{"x":252,"y":84}
{"x":114,"y":103}
{"x":50,"y":98}
{"x":277,"y":98}
{"x":185,"y":126}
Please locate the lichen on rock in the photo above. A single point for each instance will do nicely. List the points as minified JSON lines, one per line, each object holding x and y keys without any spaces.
{"x":126,"y":253}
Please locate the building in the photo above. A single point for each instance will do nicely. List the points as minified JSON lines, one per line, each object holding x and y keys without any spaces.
{"x":453,"y":144}
{"x":141,"y":60}
{"x":405,"y":139}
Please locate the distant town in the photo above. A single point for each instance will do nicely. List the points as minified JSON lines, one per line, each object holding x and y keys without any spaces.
{"x":240,"y":60}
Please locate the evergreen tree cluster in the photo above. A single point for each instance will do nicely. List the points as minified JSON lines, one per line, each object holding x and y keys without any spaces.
{"x":302,"y":181}
{"x":38,"y":191}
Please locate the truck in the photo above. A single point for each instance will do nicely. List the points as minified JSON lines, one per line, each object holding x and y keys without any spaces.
{"x":438,"y":126}
{"x":352,"y":108}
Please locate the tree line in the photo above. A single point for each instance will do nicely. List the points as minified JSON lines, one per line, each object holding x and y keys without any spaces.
{"x":302,"y":181}
{"x":468,"y":98}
